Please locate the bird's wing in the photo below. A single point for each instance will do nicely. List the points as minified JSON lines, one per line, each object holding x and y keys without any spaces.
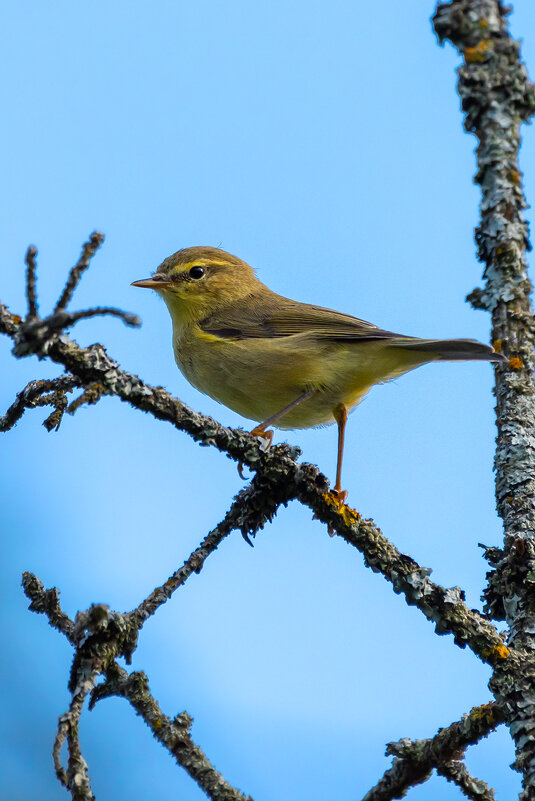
{"x":273,"y":316}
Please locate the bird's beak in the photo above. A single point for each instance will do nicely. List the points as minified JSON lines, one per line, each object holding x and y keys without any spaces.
{"x":150,"y":283}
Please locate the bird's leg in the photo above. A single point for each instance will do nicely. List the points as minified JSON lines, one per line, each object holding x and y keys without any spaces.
{"x":260,"y":429}
{"x":340,"y":415}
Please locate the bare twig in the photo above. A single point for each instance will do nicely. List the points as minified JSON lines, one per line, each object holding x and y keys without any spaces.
{"x":76,"y":777}
{"x":414,"y":760}
{"x":88,"y":251}
{"x":31,"y":291}
{"x":172,"y":734}
{"x":91,"y":395}
{"x":99,"y":311}
{"x":35,"y":335}
{"x":34,"y":395}
{"x":475,"y":789}
{"x":46,"y":602}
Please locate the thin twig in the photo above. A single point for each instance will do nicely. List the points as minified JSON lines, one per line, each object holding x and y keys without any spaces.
{"x":91,"y":395}
{"x":76,"y":777}
{"x":46,"y":602}
{"x":100,"y":311}
{"x":31,"y":288}
{"x":33,"y":395}
{"x":88,"y":251}
{"x":35,"y":336}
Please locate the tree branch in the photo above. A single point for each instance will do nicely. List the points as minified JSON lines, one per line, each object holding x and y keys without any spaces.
{"x":475,"y":789}
{"x":34,"y":395}
{"x":31,"y":291}
{"x":88,"y":251}
{"x":172,"y":734}
{"x":414,"y":760}
{"x":445,"y":607}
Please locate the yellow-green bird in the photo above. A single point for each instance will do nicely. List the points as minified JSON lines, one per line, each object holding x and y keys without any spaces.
{"x":278,"y":361}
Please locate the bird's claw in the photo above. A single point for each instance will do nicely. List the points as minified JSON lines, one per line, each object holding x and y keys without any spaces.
{"x":340,"y":496}
{"x":265,"y":437}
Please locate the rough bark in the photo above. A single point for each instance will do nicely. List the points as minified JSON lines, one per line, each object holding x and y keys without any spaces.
{"x":497,"y":98}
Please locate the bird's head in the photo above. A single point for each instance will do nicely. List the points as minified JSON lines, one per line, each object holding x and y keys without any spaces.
{"x":196,"y":281}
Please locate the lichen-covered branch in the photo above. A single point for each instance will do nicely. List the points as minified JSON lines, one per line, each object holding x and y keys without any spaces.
{"x":99,"y":636}
{"x":445,"y":607}
{"x":88,"y":251}
{"x":76,"y":777}
{"x":31,"y":283}
{"x":497,"y":98}
{"x":414,"y":760}
{"x":457,"y":773}
{"x":49,"y":392}
{"x":172,"y":734}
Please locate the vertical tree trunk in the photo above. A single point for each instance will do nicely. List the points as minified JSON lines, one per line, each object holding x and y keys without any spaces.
{"x":496,"y":98}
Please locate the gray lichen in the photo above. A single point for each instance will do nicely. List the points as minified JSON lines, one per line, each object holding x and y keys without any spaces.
{"x":497,"y":98}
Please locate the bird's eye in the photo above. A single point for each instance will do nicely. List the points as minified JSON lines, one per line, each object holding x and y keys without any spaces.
{"x":196,"y":272}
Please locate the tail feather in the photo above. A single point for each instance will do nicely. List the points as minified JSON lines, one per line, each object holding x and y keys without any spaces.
{"x":451,"y":350}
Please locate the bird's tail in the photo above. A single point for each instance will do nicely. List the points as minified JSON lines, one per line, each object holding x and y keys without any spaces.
{"x":450,"y":350}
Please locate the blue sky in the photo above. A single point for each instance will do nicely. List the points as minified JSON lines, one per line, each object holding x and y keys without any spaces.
{"x":321,"y":142}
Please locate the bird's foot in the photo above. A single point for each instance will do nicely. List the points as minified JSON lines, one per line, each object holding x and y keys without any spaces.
{"x":337,"y":498}
{"x":265,"y":437}
{"x":340,"y":496}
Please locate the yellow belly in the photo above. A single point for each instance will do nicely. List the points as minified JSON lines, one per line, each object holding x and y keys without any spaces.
{"x":258,"y":377}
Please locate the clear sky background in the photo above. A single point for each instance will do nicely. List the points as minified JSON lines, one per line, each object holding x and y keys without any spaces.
{"x":323,"y":143}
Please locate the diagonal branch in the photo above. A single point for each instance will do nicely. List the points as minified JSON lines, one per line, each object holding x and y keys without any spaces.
{"x":445,"y":607}
{"x":414,"y":760}
{"x":88,"y":251}
{"x":457,"y":773}
{"x":172,"y":734}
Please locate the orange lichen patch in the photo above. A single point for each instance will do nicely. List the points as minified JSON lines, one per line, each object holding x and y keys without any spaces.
{"x":501,"y":651}
{"x":483,"y":712}
{"x":510,"y":499}
{"x":483,"y":23}
{"x":515,"y":176}
{"x":516,"y":363}
{"x":349,"y":516}
{"x":498,"y":652}
{"x":15,"y":318}
{"x":497,"y":345}
{"x":157,"y":724}
{"x":499,"y":251}
{"x":479,"y":52}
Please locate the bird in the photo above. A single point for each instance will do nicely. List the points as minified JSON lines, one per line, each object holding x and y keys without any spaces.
{"x":278,"y":361}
